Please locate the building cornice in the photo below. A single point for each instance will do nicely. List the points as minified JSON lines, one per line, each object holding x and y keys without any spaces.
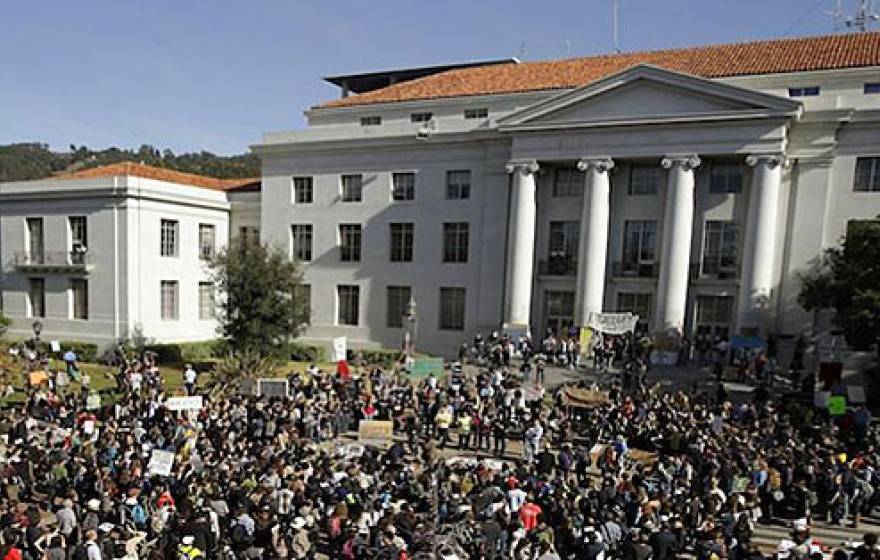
{"x":110,"y":193}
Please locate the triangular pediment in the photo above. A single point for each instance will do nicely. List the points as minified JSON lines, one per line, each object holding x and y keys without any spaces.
{"x":647,"y":94}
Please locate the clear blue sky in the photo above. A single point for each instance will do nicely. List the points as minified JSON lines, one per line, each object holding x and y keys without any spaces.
{"x":215,"y":74}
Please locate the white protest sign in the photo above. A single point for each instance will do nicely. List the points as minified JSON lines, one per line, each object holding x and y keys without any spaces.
{"x":161,"y":462}
{"x":184,"y":403}
{"x":855,"y":394}
{"x":56,"y":346}
{"x":89,"y":427}
{"x":613,"y":323}
{"x":93,"y":401}
{"x":339,"y":349}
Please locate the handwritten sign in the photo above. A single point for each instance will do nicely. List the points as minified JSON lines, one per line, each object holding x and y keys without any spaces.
{"x":161,"y":462}
{"x":613,"y":323}
{"x":375,"y":432}
{"x":269,"y":387}
{"x":184,"y":403}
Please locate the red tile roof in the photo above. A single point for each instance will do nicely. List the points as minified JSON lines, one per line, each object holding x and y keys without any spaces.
{"x":161,"y":174}
{"x":828,"y":52}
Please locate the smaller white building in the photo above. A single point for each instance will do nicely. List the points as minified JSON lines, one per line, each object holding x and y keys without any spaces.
{"x":118,"y":251}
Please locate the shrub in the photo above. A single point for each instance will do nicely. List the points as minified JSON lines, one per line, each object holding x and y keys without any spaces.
{"x":166,"y":353}
{"x":299,"y":352}
{"x":84,"y":351}
{"x":376,"y":357}
{"x":4,"y":324}
{"x":203,"y":351}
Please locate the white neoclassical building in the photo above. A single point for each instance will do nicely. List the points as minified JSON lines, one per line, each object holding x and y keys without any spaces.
{"x":690,"y":186}
{"x":118,"y":251}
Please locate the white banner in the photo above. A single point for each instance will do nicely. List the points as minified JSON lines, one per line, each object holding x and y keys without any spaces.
{"x":339,"y":349}
{"x":161,"y":462}
{"x":613,"y":323}
{"x":184,"y":403}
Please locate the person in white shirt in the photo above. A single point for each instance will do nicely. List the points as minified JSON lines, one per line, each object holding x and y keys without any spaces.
{"x":189,"y":379}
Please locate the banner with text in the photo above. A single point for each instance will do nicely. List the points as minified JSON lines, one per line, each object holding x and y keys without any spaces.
{"x":613,"y":323}
{"x":184,"y":403}
{"x":161,"y":462}
{"x":340,"y":347}
{"x":375,"y":432}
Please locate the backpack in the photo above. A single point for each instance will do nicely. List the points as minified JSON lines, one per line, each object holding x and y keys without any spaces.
{"x":240,"y":535}
{"x":138,"y":515}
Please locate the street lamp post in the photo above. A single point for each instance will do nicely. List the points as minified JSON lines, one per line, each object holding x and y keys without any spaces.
{"x":37,"y":328}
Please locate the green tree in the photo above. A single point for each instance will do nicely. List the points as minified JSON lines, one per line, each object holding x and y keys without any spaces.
{"x":261,"y":306}
{"x":848,"y":282}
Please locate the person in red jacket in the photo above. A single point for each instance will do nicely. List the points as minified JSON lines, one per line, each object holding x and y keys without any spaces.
{"x":529,"y":514}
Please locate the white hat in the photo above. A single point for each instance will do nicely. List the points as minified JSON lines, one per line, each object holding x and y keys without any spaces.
{"x":132,"y":501}
{"x":188,"y":540}
{"x":299,"y":523}
{"x":105,"y":527}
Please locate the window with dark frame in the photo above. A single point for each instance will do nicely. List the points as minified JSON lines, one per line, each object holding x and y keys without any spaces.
{"x":872,"y":87}
{"x":79,"y":295}
{"x":403,"y":186}
{"x":207,"y":306}
{"x":421,"y":117}
{"x":455,"y":242}
{"x":714,"y":315}
{"x":867,"y":176}
{"x":720,"y":247}
{"x":373,"y":120}
{"x":350,"y":242}
{"x":207,"y":241}
{"x":452,"y":309}
{"x":301,"y":242}
{"x":37,"y":297}
{"x":568,"y":182}
{"x":170,"y":233}
{"x":644,"y":179}
{"x":348,"y":297}
{"x":807,"y":91}
{"x":639,"y":247}
{"x":478,"y":113}
{"x":303,"y":190}
{"x":637,"y":303}
{"x":725,"y":178}
{"x":170,"y":300}
{"x":352,"y":188}
{"x":397,"y":301}
{"x":36,"y":249}
{"x":458,"y":184}
{"x":402,"y":240}
{"x":79,"y":232}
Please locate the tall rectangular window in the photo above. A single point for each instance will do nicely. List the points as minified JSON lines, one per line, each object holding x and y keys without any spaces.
{"x":350,"y":242}
{"x":79,"y":298}
{"x":207,"y":309}
{"x":36,"y":297}
{"x":641,"y":304}
{"x":303,"y":190}
{"x":563,"y":240}
{"x":867,"y":178}
{"x":348,"y":304}
{"x":35,"y":240}
{"x":169,"y":300}
{"x":79,"y":232}
{"x":725,"y":178}
{"x":248,"y":236}
{"x":568,"y":182}
{"x":303,"y":294}
{"x":558,"y":311}
{"x":170,"y":230}
{"x":397,"y":299}
{"x":644,"y":179}
{"x":207,"y":241}
{"x":352,"y":188}
{"x":714,"y":315}
{"x":452,"y":308}
{"x":455,"y":242}
{"x":301,"y":242}
{"x":458,"y":184}
{"x":720,"y":247}
{"x":639,"y":248}
{"x":402,"y":236}
{"x":403,"y":186}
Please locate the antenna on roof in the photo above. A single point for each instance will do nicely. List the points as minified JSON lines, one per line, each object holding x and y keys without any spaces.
{"x":615,"y":4}
{"x":864,"y":15}
{"x":566,"y":46}
{"x":522,"y":50}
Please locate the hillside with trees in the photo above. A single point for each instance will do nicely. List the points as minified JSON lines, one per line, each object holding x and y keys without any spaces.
{"x":27,"y":161}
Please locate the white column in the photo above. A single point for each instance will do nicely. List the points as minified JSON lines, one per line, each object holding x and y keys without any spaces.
{"x":678,"y":224}
{"x":593,"y":242}
{"x":520,"y":245}
{"x":759,"y":249}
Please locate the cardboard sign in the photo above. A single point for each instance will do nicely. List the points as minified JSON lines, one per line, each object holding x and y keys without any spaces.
{"x":37,"y":378}
{"x":184,"y":403}
{"x":375,"y":432}
{"x":93,"y":401}
{"x":161,"y":462}
{"x":424,"y":367}
{"x":855,"y":394}
{"x":340,"y":348}
{"x":269,"y":387}
{"x":586,"y":341}
{"x":837,"y":406}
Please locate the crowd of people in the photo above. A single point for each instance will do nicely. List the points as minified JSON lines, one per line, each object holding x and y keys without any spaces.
{"x":488,"y":464}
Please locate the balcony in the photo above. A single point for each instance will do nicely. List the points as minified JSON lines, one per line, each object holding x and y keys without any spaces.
{"x":721,"y":272}
{"x":558,"y":266}
{"x":635,"y":269}
{"x":54,"y":261}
